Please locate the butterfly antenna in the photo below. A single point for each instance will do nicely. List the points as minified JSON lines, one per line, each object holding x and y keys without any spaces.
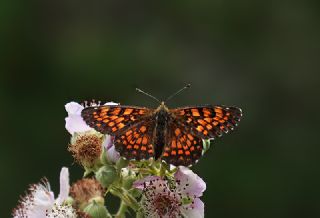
{"x":147,"y":94}
{"x":176,"y":93}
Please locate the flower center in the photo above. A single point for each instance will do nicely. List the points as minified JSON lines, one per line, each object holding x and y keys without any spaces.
{"x":165,"y":205}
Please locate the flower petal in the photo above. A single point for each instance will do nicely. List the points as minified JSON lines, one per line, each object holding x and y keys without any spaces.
{"x":64,"y":186}
{"x":140,"y":184}
{"x":111,"y":153}
{"x":74,"y":121}
{"x":195,"y":210}
{"x":190,"y":183}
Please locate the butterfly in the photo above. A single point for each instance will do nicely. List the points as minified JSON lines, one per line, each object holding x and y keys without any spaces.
{"x":173,"y":135}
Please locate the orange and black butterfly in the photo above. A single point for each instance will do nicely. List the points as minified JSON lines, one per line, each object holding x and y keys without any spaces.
{"x":173,"y":135}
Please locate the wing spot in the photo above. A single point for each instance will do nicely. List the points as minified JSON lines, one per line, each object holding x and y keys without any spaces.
{"x":98,"y":124}
{"x":143,"y":129}
{"x":195,"y":112}
{"x":143,"y":148}
{"x":116,"y":111}
{"x":187,"y":153}
{"x":190,"y":136}
{"x":119,"y":119}
{"x":205,"y":132}
{"x":150,"y":151}
{"x":128,"y":111}
{"x":165,"y":154}
{"x":182,"y":112}
{"x":129,"y":132}
{"x":114,"y":129}
{"x":139,"y":140}
{"x":218,"y":110}
{"x":180,"y":152}
{"x":144,"y":140}
{"x":136,"y":147}
{"x":192,"y":148}
{"x":215,"y":123}
{"x":207,"y":119}
{"x":209,"y":126}
{"x":200,"y":128}
{"x":179,"y":145}
{"x":141,"y":111}
{"x":111,"y":124}
{"x":129,"y":147}
{"x":177,"y":131}
{"x":120,"y":125}
{"x":173,"y":144}
{"x":173,"y":153}
{"x":185,"y":147}
{"x":189,"y":143}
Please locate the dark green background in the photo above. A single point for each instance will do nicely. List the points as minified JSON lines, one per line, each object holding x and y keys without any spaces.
{"x":262,"y":56}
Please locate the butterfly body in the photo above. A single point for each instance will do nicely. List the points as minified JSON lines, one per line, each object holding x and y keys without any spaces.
{"x":173,"y":135}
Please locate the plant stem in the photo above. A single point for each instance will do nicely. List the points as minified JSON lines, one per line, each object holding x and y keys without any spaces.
{"x":122,"y":210}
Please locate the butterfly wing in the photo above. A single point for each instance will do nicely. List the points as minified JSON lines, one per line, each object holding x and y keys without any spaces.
{"x":132,"y":127}
{"x":207,"y":122}
{"x":181,"y":147}
{"x":112,"y":119}
{"x":137,"y":141}
{"x":190,"y":125}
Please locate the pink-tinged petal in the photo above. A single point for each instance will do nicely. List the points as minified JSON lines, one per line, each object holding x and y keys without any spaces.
{"x":189,"y":182}
{"x":74,"y":121}
{"x":64,"y":186}
{"x":140,"y":184}
{"x":194,"y":210}
{"x":111,"y":153}
{"x":108,"y":142}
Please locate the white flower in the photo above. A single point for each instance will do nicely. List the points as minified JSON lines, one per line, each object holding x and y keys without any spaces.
{"x":74,"y":121}
{"x":40,"y":202}
{"x":180,"y":197}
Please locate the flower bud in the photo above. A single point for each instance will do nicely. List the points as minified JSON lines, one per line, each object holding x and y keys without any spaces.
{"x":106,"y":175}
{"x":85,"y":191}
{"x":86,"y":148}
{"x":96,"y":210}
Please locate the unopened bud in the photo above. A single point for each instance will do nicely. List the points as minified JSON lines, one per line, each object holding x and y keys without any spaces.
{"x":96,"y":210}
{"x":106,"y":175}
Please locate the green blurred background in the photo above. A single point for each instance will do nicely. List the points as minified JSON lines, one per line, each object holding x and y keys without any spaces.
{"x":262,"y":56}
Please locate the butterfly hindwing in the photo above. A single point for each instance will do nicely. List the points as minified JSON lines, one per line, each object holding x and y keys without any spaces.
{"x":181,"y":147}
{"x":137,"y":141}
{"x":207,"y":122}
{"x":109,"y":119}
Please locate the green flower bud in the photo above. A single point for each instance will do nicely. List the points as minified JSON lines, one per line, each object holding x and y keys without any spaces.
{"x":122,"y":163}
{"x":96,"y":210}
{"x":106,"y":175}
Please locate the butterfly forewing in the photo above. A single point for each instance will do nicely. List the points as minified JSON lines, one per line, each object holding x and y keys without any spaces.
{"x":110,"y":119}
{"x":207,"y":122}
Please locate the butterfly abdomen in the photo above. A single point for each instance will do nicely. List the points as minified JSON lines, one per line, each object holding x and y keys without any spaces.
{"x":161,"y":122}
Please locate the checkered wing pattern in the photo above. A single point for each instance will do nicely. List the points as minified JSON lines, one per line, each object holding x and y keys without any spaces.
{"x":207,"y":122}
{"x":137,"y":141}
{"x":181,"y":146}
{"x":112,"y":119}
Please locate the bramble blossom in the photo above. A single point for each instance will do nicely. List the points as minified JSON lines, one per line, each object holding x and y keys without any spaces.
{"x":40,"y":202}
{"x":179,"y":197}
